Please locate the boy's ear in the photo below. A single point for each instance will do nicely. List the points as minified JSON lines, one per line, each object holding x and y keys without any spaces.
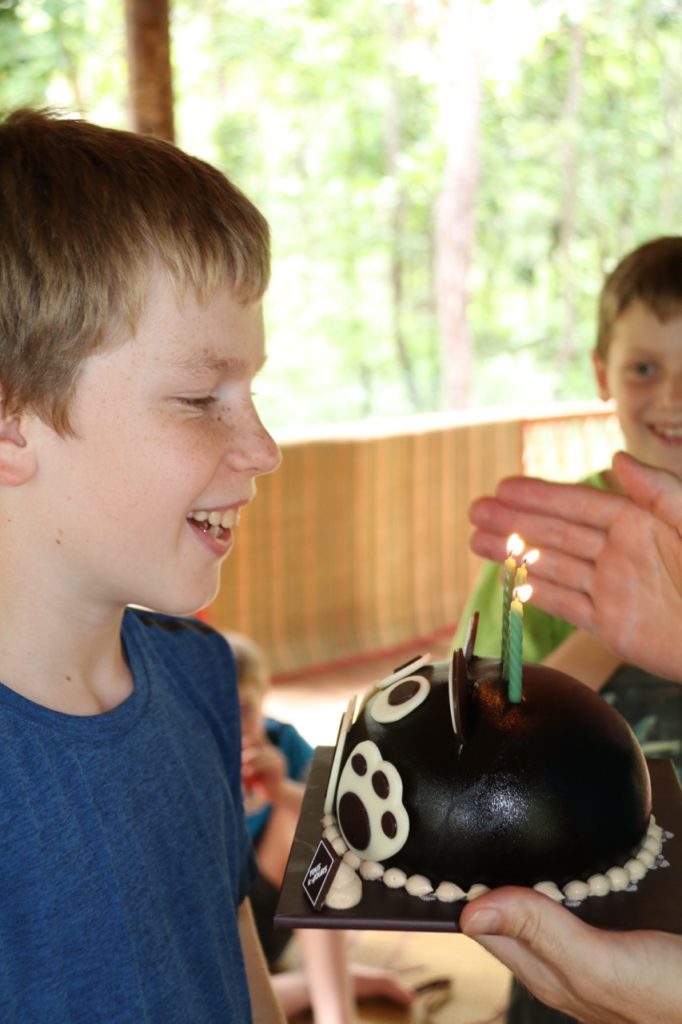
{"x":600,"y":375}
{"x":17,"y":458}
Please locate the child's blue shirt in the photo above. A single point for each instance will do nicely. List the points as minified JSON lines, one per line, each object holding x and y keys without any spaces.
{"x":298,"y":754}
{"x":124,"y":853}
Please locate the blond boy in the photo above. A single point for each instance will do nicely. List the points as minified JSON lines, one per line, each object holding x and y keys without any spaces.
{"x":131,"y":278}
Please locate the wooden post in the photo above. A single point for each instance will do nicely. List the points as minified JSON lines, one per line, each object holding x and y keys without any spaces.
{"x":455,"y":207}
{"x":149,"y":67}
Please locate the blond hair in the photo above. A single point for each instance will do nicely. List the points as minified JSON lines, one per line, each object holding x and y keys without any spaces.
{"x":253,"y":671}
{"x":652,"y":274}
{"x":85,"y":211}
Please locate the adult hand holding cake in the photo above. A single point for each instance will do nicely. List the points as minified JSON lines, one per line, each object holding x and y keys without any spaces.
{"x":612,"y":564}
{"x":592,"y":975}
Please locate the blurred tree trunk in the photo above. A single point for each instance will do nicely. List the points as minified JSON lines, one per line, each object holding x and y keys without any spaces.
{"x":461,"y":103}
{"x":149,"y":67}
{"x":396,"y":234}
{"x":570,"y":157}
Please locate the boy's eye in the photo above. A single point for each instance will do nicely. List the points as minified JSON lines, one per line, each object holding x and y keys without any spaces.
{"x":198,"y":402}
{"x":643,"y":369}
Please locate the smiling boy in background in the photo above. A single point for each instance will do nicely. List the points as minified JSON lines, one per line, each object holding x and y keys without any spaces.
{"x":638,"y":363}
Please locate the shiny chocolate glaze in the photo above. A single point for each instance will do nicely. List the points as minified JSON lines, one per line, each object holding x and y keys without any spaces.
{"x":555,"y":787}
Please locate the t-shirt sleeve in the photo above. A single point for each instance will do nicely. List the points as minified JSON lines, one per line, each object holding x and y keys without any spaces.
{"x":226,"y":709}
{"x":248,"y":861}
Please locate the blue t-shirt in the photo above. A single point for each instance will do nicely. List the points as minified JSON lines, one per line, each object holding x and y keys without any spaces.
{"x":298,"y":754}
{"x":123,"y":843}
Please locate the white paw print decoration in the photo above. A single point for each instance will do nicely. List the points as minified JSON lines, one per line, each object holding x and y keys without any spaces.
{"x":369,"y":804}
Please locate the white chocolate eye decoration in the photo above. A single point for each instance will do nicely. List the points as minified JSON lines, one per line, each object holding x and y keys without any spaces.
{"x":399,"y":700}
{"x":408,"y":669}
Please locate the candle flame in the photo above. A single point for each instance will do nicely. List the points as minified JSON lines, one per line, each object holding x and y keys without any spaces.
{"x":514,"y":545}
{"x":523,"y":593}
{"x":531,"y":556}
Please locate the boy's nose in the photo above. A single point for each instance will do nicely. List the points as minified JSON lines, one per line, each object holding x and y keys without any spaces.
{"x":255,"y":450}
{"x":270,"y":454}
{"x":673,"y":390}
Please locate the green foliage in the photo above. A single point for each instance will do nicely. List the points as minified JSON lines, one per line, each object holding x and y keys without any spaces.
{"x":624,"y":141}
{"x":328,"y":115}
{"x":63,"y":53}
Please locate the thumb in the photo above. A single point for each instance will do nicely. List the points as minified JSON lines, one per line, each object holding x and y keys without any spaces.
{"x":558,"y":957}
{"x":655,"y":490}
{"x":534,"y":920}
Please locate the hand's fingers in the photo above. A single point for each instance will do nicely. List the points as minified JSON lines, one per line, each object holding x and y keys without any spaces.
{"x":556,"y":566}
{"x":488,"y":545}
{"x":653,"y":489}
{"x":536,"y":529}
{"x":573,"y":606}
{"x":563,"y":570}
{"x":577,"y":503}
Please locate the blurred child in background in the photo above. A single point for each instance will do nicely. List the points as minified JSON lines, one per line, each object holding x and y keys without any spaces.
{"x":275,"y":764}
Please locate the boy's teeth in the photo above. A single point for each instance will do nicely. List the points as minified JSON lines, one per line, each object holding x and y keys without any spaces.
{"x":215,"y":522}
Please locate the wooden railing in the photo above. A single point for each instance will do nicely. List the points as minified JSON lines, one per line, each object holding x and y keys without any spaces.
{"x":359,"y":543}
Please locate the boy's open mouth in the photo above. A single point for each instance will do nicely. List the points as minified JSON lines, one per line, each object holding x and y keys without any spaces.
{"x":667,"y":432}
{"x":215,"y":523}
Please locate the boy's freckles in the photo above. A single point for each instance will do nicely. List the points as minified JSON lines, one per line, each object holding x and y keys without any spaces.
{"x":144,"y":456}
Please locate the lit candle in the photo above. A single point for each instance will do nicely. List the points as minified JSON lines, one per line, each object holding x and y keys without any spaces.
{"x":522,"y":571}
{"x":515,"y":690}
{"x":514,"y":549}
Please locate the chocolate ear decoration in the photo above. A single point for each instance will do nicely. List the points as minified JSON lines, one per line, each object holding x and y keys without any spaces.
{"x":471,"y":637}
{"x":458,"y":694}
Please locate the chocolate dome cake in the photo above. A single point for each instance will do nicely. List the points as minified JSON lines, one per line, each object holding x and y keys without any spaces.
{"x":444,"y":786}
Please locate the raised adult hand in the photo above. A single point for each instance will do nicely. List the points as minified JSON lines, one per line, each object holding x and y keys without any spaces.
{"x":611,"y":563}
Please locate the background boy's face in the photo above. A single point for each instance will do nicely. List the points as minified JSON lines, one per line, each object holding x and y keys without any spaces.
{"x":251,"y":712}
{"x":166,"y":433}
{"x":642,"y":372}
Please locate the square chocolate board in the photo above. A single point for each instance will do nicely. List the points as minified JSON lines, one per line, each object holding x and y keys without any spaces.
{"x":657,"y":903}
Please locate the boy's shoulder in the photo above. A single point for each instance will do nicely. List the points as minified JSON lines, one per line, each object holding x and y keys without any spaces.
{"x":170,"y":625}
{"x":189,"y":664}
{"x":186,"y":645}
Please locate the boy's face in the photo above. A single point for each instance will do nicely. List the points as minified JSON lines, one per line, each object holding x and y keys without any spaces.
{"x":166,"y":435}
{"x":251,"y":711}
{"x":642,"y":372}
